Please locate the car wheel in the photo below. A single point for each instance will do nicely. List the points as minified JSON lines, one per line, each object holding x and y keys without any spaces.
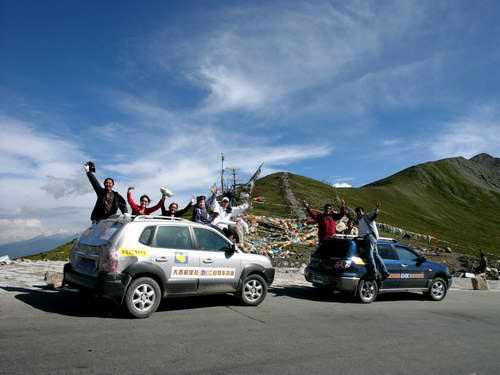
{"x":437,"y":289}
{"x":142,"y":297}
{"x":253,"y":291}
{"x":367,"y":291}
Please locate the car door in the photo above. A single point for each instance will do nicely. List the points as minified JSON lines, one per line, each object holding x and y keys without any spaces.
{"x":412,"y":269}
{"x":174,"y":252}
{"x":391,"y":261}
{"x":220,"y":266}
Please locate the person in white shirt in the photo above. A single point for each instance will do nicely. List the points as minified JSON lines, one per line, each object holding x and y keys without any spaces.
{"x":367,"y":228}
{"x":228,"y":218}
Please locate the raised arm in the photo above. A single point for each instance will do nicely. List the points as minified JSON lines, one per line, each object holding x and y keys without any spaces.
{"x":158,"y":205}
{"x":95,"y":184}
{"x":343,"y":210}
{"x":238,"y":210}
{"x":373,"y":214}
{"x":185,"y":209}
{"x":131,"y":201}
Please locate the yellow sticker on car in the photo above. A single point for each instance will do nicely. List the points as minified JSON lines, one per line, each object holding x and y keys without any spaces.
{"x":133,"y":252}
{"x":203,"y":273}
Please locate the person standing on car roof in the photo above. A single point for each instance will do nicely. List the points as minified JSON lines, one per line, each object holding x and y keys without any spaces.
{"x":327,"y":220}
{"x":367,"y":228}
{"x":142,"y":209}
{"x":173,"y":210}
{"x":108,"y":201}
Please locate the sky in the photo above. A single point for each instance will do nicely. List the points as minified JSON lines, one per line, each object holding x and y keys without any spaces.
{"x":346,"y":92}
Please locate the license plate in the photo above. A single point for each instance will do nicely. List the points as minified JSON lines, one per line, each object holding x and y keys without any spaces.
{"x":318,"y":279}
{"x":86,"y":264}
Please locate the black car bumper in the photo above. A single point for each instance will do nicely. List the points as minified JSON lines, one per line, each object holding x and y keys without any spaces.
{"x":107,"y":285}
{"x":269,"y":273}
{"x":341,"y":282}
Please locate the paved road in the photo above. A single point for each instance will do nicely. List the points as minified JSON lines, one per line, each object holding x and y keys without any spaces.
{"x":296,"y":330}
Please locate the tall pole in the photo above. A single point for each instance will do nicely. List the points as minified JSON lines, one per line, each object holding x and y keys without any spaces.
{"x":222,"y":172}
{"x":234,"y":179}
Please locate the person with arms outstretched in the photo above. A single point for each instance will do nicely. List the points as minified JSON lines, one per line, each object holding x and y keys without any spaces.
{"x":108,"y":201}
{"x":141,"y":208}
{"x":327,"y":220}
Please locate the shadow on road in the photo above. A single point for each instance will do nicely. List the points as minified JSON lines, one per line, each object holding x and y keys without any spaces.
{"x":65,"y":302}
{"x":325,"y":295}
{"x":71,"y":303}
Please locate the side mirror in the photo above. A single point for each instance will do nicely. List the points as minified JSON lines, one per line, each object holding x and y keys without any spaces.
{"x":421,"y":259}
{"x":231,"y":249}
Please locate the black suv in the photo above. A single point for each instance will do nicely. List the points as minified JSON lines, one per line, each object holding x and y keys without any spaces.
{"x":339,"y":264}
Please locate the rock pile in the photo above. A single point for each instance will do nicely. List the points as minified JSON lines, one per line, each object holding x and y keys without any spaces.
{"x":275,"y":236}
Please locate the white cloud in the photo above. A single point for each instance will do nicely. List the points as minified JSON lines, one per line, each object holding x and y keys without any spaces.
{"x":342,"y":185}
{"x":470,"y":134}
{"x":267,"y":55}
{"x":19,"y":229}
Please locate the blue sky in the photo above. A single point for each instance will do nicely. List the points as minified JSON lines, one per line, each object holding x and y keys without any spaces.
{"x":345,"y":92}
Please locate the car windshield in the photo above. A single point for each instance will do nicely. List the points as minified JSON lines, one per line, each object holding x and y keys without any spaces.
{"x":336,"y":248}
{"x":100,"y":233}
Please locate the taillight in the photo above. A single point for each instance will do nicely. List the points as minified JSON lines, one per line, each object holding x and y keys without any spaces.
{"x":109,"y":261}
{"x":342,"y":264}
{"x":358,"y":261}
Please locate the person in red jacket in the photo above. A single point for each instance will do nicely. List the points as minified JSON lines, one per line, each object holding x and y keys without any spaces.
{"x":327,"y":220}
{"x":142,"y":208}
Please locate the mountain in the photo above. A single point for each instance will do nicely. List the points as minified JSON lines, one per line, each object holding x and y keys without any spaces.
{"x":455,"y":200}
{"x":35,"y":245}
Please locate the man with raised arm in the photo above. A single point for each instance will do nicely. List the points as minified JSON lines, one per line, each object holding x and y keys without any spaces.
{"x":327,"y":220}
{"x":108,"y":201}
{"x":367,"y":228}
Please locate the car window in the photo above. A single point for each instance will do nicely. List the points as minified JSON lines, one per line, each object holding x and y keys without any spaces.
{"x":405,"y":254}
{"x":101,"y":233}
{"x":386,"y":251}
{"x":147,"y":235}
{"x":173,"y":237}
{"x":208,"y":240}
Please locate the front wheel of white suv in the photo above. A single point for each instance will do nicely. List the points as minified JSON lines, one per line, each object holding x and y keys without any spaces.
{"x":253,"y":290}
{"x":143,"y":297}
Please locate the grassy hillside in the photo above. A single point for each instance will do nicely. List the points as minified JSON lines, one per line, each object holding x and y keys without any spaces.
{"x":59,"y":253}
{"x":454,"y":200}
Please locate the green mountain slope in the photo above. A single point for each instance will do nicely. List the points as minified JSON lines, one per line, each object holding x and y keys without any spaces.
{"x":455,"y":200}
{"x":58,"y":253}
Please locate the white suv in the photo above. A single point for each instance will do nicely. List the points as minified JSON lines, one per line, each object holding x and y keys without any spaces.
{"x":136,"y":261}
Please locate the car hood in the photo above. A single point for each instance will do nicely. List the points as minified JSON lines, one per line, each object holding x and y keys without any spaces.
{"x":256,"y":259}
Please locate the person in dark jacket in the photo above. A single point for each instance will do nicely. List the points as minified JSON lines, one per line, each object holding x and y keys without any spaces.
{"x":174,"y":211}
{"x":108,"y":201}
{"x":327,"y":220}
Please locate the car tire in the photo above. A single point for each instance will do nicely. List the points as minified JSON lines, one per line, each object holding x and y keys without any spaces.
{"x":143,"y":297}
{"x":367,"y":290}
{"x":438,"y":289}
{"x":253,"y":290}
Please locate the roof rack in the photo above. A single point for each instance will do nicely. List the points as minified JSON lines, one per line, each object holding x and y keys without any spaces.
{"x":352,"y":236}
{"x":387,"y":239}
{"x":168,"y":218}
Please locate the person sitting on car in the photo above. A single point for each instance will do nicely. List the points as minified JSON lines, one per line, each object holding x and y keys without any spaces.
{"x":142,"y":209}
{"x":173,"y":210}
{"x":200,"y":213}
{"x":327,"y":220}
{"x":228,"y":217}
{"x":108,"y":201}
{"x":351,"y":228}
{"x":367,"y":229}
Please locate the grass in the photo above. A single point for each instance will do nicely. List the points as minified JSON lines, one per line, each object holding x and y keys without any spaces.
{"x":59,"y":253}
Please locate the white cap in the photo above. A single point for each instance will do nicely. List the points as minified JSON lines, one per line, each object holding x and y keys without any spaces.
{"x":225,"y":199}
